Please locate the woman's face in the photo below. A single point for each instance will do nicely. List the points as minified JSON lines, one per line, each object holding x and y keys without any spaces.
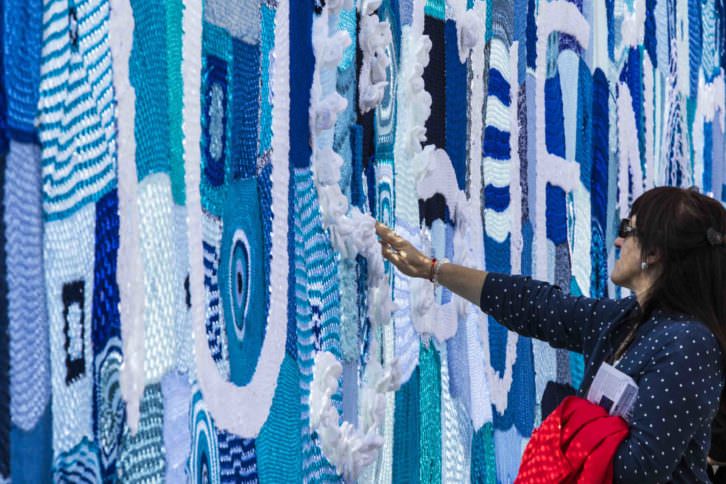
{"x":627,"y":271}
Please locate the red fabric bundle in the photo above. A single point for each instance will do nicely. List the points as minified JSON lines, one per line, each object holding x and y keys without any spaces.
{"x":576,"y":443}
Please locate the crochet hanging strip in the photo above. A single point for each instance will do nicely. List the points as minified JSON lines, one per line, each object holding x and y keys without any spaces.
{"x":317,"y":321}
{"x":22,"y":45}
{"x":204,"y":458}
{"x":76,"y":119}
{"x":69,"y":290}
{"x":214,"y":324}
{"x":108,"y":409}
{"x":27,"y":322}
{"x":148,"y":75}
{"x":141,"y":456}
{"x":4,"y":343}
{"x":430,"y":416}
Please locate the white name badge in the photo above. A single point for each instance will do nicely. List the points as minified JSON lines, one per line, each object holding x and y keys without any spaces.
{"x":613,"y":390}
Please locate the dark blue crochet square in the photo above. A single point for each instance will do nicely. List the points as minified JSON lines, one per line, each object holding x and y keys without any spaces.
{"x":214,"y":118}
{"x":105,"y":320}
{"x":245,"y":109}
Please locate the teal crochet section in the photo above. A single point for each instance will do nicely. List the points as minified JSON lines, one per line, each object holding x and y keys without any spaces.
{"x":406,"y":434}
{"x":142,"y":455}
{"x":483,"y":461}
{"x":267,"y":42}
{"x":148,"y":75}
{"x":279,"y":448}
{"x":436,"y":9}
{"x":430,"y":437}
{"x":176,"y":99}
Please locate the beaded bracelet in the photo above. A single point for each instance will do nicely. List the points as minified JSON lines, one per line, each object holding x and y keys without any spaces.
{"x":432,"y":269}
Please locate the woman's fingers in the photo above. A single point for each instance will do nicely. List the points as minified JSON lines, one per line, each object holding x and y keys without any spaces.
{"x":389,"y":236}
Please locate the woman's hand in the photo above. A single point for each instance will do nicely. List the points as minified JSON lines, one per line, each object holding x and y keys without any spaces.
{"x":407,"y":258}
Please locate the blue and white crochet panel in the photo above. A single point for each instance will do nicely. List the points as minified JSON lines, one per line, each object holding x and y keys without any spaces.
{"x":194,"y":290}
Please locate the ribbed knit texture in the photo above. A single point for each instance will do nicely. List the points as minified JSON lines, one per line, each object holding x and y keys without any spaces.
{"x":26,"y":311}
{"x":317,"y":313}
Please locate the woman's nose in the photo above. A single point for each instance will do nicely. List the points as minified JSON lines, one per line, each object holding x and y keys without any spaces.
{"x":618,"y":242}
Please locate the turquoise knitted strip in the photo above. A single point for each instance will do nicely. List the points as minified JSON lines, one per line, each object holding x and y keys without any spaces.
{"x":148,"y":72}
{"x":279,"y":448}
{"x":175,"y":86}
{"x":483,"y":462}
{"x":314,"y":329}
{"x":436,"y":9}
{"x":430,"y":437}
{"x":406,"y":434}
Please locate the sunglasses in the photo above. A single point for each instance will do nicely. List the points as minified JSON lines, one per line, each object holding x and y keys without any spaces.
{"x":626,"y":230}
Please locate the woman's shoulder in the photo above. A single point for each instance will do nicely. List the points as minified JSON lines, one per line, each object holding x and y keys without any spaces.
{"x":684,"y":334}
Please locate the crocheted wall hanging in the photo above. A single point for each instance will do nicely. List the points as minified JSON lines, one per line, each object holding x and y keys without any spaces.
{"x":193,"y":287}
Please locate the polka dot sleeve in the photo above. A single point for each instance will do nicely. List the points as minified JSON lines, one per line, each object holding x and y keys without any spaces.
{"x":679,"y":388}
{"x":541,"y":310}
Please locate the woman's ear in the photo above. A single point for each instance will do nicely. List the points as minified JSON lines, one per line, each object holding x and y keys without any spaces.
{"x":653,"y":257}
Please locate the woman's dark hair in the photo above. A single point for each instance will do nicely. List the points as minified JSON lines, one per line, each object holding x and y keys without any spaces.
{"x":685,"y":229}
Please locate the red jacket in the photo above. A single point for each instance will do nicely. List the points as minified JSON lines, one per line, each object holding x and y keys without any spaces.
{"x":576,"y":443}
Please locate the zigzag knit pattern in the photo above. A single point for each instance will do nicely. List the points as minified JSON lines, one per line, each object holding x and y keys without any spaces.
{"x":237,"y":459}
{"x":317,"y":313}
{"x":27,"y":319}
{"x":76,"y":111}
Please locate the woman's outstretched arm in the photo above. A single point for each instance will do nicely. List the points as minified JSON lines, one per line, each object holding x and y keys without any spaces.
{"x":464,"y":281}
{"x":531,"y":308}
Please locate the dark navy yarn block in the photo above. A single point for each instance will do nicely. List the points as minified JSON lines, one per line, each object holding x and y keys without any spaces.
{"x":498,"y":86}
{"x":357,"y":194}
{"x":531,"y":36}
{"x":435,"y":81}
{"x":370,"y":172}
{"x":496,"y":198}
{"x":302,"y":64}
{"x":244,"y":109}
{"x":4,"y":341}
{"x":496,"y":143}
{"x":456,"y":105}
{"x":600,"y":147}
{"x":583,"y":142}
{"x":105,"y":318}
{"x":554,"y":116}
{"x":434,"y":208}
{"x":556,"y":213}
{"x":707,"y":157}
{"x":215,"y":77}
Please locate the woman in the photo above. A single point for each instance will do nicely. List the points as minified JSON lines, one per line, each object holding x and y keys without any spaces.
{"x":670,"y":336}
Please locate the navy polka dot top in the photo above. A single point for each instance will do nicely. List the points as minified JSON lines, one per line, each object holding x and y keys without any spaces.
{"x":674,"y":359}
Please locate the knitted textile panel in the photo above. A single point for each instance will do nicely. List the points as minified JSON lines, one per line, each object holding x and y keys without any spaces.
{"x":316,"y":323}
{"x":69,"y":283}
{"x":76,"y":111}
{"x":142,"y":455}
{"x":27,"y":320}
{"x":4,"y":346}
{"x":22,"y":45}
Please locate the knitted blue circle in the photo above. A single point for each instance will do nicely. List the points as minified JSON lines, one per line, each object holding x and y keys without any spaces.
{"x":242,"y":278}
